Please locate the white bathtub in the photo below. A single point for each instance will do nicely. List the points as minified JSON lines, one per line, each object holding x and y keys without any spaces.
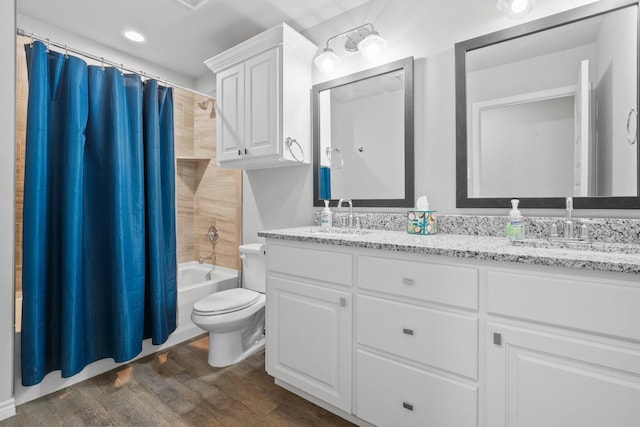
{"x":193,"y":284}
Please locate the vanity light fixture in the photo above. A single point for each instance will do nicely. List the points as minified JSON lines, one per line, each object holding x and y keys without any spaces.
{"x":515,"y":9}
{"x":363,"y":38}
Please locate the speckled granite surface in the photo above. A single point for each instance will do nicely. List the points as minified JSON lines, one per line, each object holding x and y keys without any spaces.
{"x":470,"y":246}
{"x":609,"y":230}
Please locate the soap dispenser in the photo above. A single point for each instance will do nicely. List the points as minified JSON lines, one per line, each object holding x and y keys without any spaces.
{"x":515,"y":222}
{"x":326,"y":216}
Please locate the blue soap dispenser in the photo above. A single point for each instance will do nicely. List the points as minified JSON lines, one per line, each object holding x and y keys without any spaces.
{"x":515,"y":222}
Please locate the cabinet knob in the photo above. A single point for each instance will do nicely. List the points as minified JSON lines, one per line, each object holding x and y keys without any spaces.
{"x":408,"y":406}
{"x":408,"y":281}
{"x":343,"y":302}
{"x":407,"y":331}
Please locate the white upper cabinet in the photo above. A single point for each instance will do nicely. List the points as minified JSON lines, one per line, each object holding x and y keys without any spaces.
{"x":262,"y":97}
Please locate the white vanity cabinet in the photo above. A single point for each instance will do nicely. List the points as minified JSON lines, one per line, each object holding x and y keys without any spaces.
{"x":392,"y":338}
{"x":262,"y":98}
{"x":390,"y":341}
{"x":309,"y":321}
{"x":562,"y":350}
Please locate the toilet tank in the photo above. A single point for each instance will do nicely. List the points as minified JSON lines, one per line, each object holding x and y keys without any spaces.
{"x":254,"y":266}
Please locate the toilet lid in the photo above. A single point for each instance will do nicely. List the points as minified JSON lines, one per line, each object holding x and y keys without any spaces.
{"x":225,"y":301}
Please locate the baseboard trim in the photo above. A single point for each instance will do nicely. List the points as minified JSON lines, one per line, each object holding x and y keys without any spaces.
{"x":7,"y":409}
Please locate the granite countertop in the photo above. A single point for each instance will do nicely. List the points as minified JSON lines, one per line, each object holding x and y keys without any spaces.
{"x":615,"y":258}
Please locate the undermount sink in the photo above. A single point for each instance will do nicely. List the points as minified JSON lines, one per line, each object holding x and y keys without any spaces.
{"x":341,"y":231}
{"x":623,"y":248}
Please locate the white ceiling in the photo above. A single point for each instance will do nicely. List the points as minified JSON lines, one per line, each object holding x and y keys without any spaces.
{"x":178,"y":38}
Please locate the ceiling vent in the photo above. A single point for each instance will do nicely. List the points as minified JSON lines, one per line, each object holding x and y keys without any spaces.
{"x":192,"y":4}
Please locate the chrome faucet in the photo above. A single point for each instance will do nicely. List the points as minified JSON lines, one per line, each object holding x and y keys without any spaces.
{"x":569,"y":226}
{"x":350,"y":218}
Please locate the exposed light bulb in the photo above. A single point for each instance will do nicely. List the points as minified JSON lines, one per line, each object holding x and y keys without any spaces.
{"x":327,"y":60}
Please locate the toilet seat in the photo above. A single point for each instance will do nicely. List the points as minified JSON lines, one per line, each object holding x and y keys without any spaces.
{"x":225,"y":302}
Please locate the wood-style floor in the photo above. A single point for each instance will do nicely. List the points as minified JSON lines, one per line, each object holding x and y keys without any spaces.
{"x":176,"y":388}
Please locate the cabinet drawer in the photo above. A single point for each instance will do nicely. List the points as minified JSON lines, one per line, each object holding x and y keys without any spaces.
{"x":605,"y":307}
{"x":443,"y":340}
{"x":393,"y":394}
{"x":331,"y":267}
{"x":445,"y":284}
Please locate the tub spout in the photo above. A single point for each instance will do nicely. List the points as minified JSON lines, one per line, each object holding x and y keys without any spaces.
{"x":211,"y":258}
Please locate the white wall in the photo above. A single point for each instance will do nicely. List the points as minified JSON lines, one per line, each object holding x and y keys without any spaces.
{"x":519,"y":141}
{"x":7,"y":205}
{"x":355,"y":124}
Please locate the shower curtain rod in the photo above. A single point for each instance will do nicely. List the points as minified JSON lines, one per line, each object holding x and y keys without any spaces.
{"x":103,"y":61}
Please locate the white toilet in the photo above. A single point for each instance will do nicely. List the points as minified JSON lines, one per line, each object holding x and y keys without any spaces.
{"x":235,"y":317}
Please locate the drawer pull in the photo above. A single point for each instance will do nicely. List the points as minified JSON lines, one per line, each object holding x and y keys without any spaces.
{"x":407,"y":331}
{"x":497,"y":339}
{"x":407,"y":406}
{"x":408,"y":281}
{"x":343,"y":302}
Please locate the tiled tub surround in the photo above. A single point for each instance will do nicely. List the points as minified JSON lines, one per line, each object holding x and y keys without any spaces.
{"x":605,"y":230}
{"x":472,"y":245}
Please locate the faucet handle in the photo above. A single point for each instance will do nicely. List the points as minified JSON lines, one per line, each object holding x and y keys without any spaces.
{"x":583,"y":232}
{"x":553,"y":231}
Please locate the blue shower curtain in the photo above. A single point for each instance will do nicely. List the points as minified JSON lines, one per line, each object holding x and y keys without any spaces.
{"x":99,"y":249}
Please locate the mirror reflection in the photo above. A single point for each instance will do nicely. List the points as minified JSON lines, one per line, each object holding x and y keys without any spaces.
{"x":551,"y":112}
{"x":363,"y":137}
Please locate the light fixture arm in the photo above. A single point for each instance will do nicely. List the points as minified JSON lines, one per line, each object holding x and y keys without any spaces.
{"x":349,"y":32}
{"x":363,"y":38}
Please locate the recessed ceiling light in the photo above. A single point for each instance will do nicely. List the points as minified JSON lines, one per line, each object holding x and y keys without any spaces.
{"x":133,"y":36}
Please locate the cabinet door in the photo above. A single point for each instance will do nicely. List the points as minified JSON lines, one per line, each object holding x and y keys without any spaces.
{"x":539,"y":379}
{"x":262,"y":86}
{"x":309,"y":339}
{"x":231,"y":106}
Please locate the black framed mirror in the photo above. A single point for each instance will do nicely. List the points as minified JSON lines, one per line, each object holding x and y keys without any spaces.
{"x":363,"y":131}
{"x":549,"y":109}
